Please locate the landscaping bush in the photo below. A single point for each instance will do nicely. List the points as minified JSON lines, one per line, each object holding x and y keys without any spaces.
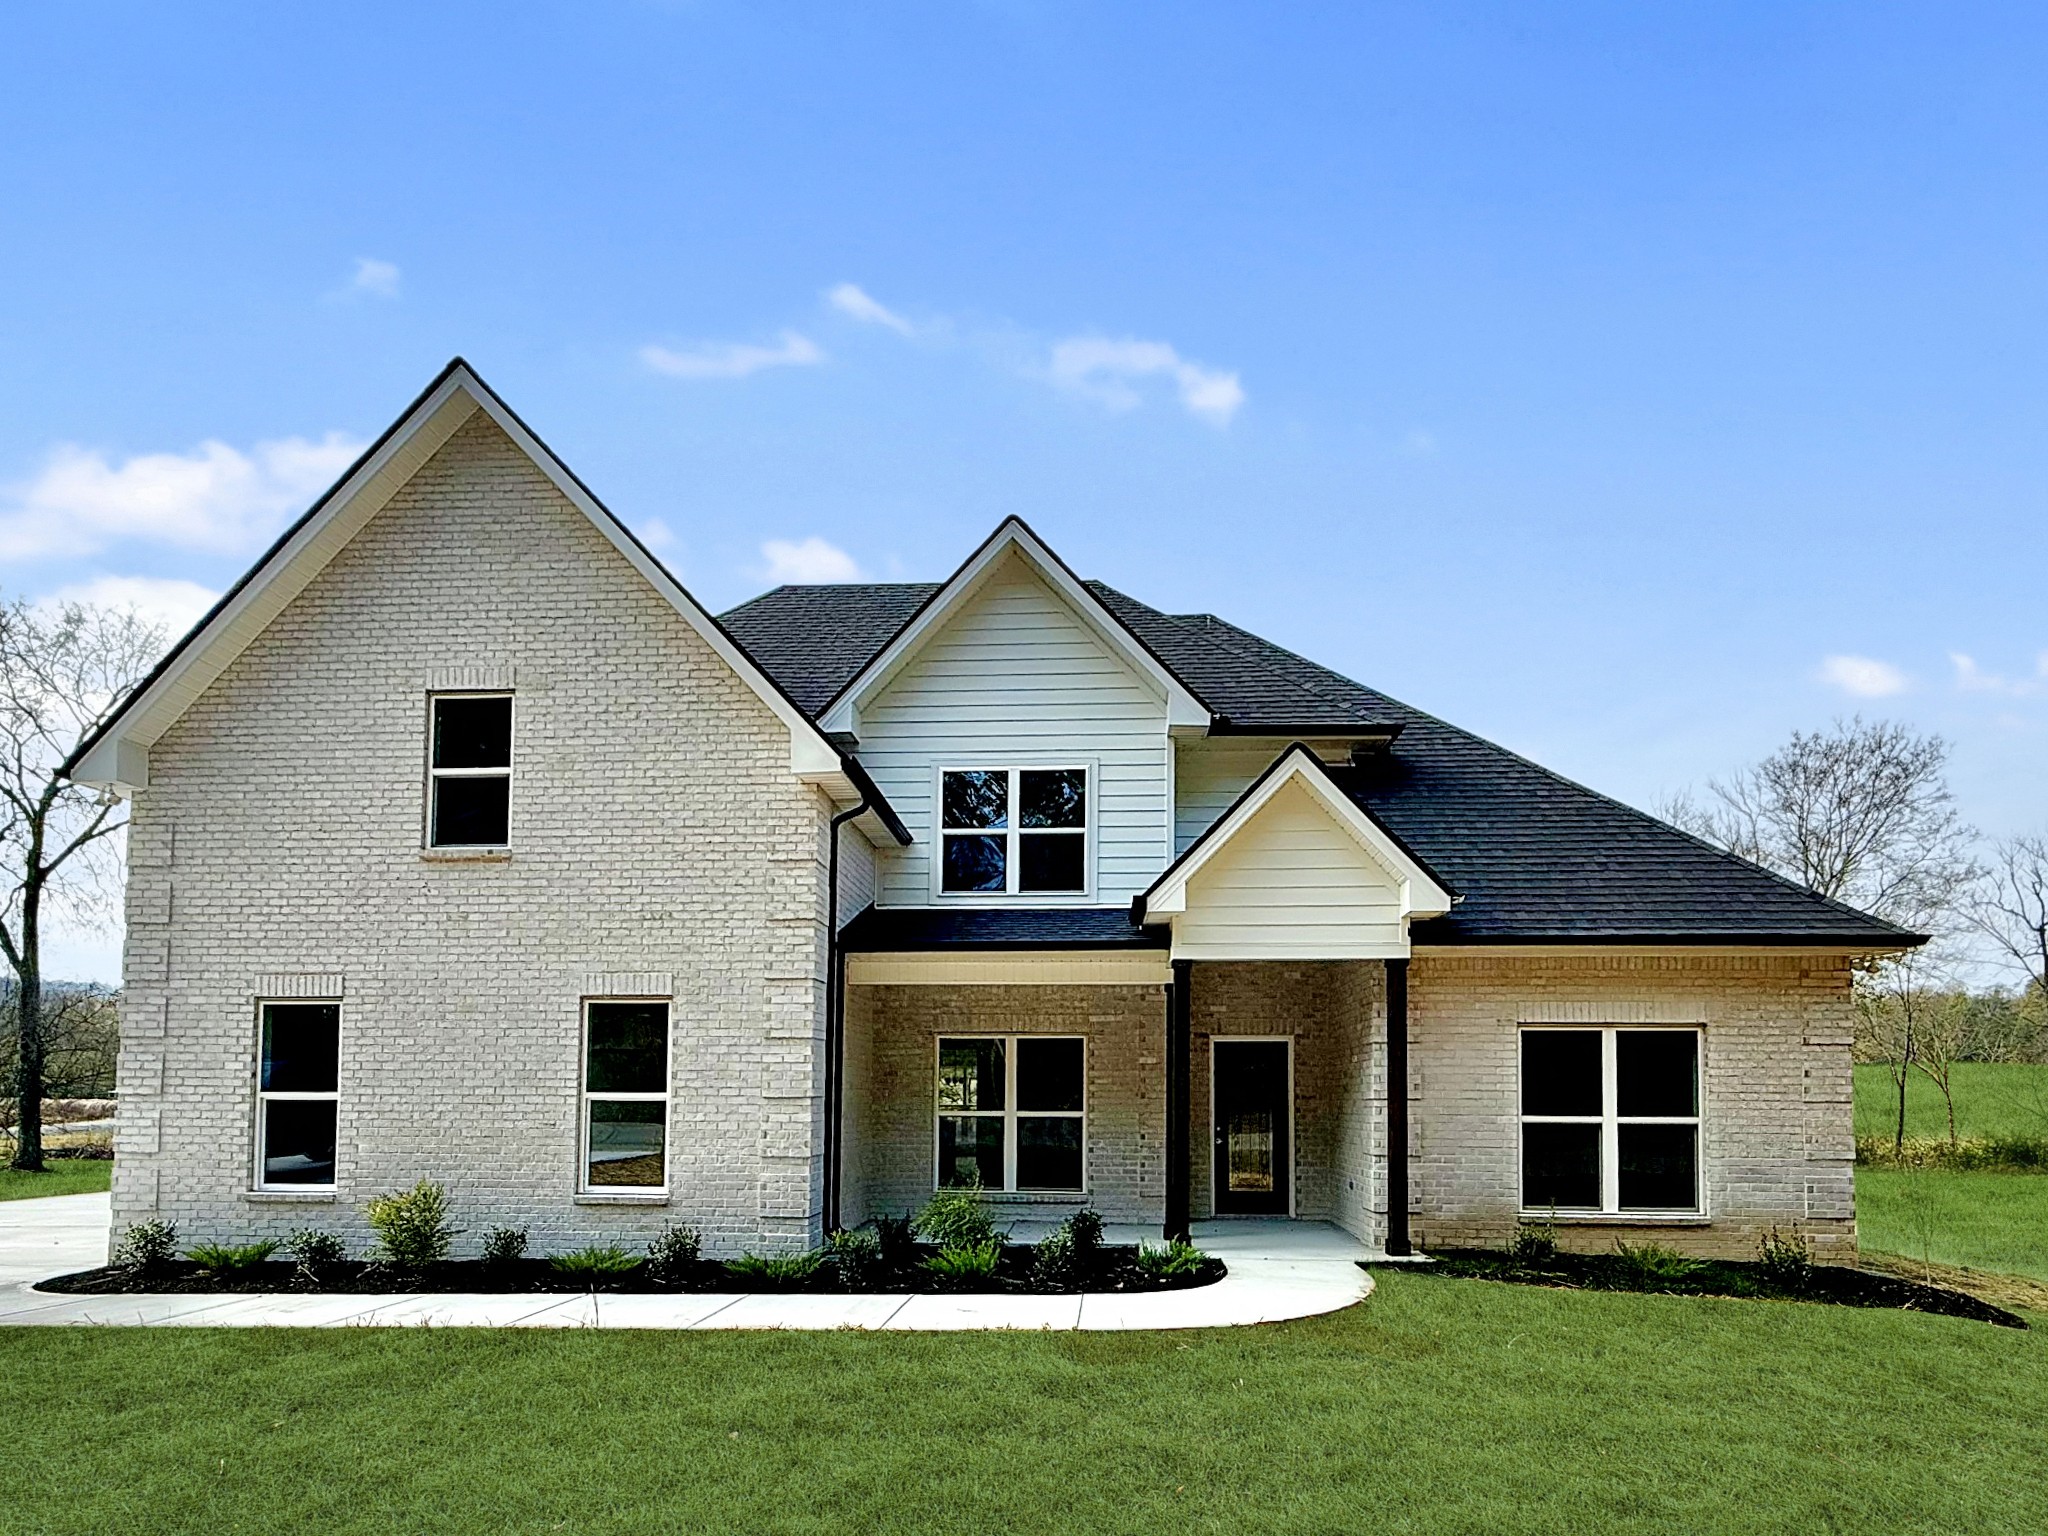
{"x":965,"y":1264}
{"x":412,"y":1228}
{"x":856,"y":1258}
{"x":778,"y":1271}
{"x":1784,"y":1261}
{"x":504,"y":1247}
{"x":595,"y":1263}
{"x":898,"y":1237}
{"x":221,"y":1259}
{"x":1172,"y":1260}
{"x":1534,"y":1243}
{"x":315,"y":1252}
{"x":1647,"y":1266}
{"x":957,"y":1218}
{"x":147,"y":1246}
{"x":671,"y":1256}
{"x":1070,"y":1254}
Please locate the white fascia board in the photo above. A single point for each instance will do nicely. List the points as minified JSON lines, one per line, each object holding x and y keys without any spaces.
{"x":1421,"y":896}
{"x":1183,"y":710}
{"x":119,"y":760}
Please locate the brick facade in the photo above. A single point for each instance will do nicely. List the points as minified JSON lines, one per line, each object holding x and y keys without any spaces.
{"x":657,"y":833}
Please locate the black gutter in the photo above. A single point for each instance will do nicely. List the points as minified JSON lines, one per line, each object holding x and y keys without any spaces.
{"x":1397,"y":1109}
{"x":835,"y":1017}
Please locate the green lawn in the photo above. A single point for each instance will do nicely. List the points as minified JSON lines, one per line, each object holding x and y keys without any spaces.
{"x":1437,"y":1406}
{"x":1995,"y":1221}
{"x":65,"y":1176}
{"x":1992,"y":1099}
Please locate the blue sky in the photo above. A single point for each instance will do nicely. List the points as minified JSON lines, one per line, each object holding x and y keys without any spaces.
{"x":1631,"y":384}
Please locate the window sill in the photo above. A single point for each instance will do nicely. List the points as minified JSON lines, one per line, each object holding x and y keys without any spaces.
{"x":1618,"y":1218}
{"x":1035,"y":1197}
{"x":290,"y":1196}
{"x":465,"y":855}
{"x":651,"y":1197}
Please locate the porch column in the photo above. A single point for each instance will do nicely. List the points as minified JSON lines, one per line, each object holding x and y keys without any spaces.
{"x":1397,"y":1109}
{"x":1178,"y":1094}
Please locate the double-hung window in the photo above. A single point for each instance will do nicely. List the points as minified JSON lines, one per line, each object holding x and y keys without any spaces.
{"x":1611,"y":1120}
{"x":625,"y":1096}
{"x":1006,"y":831}
{"x":1012,"y":1112}
{"x":469,"y":770}
{"x":297,"y":1094}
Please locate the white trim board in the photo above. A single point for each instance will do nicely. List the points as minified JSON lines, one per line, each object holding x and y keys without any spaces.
{"x":1045,"y":968}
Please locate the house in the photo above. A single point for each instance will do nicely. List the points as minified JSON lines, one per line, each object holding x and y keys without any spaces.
{"x":466,"y":845}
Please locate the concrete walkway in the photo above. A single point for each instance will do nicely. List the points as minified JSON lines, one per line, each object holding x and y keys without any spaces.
{"x":1278,"y":1270}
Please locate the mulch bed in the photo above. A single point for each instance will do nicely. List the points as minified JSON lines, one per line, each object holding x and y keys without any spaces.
{"x":1831,"y":1283}
{"x":1115,"y":1270}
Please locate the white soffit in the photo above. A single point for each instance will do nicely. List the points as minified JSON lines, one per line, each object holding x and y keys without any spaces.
{"x":1183,"y":709}
{"x":1420,"y":893}
{"x":119,"y":757}
{"x":1047,"y":968}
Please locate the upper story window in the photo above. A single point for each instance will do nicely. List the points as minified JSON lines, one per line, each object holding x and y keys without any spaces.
{"x":469,"y":792}
{"x":1005,"y":831}
{"x":1611,"y":1120}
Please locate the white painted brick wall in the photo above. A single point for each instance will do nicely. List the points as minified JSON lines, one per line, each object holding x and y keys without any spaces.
{"x":656,"y":829}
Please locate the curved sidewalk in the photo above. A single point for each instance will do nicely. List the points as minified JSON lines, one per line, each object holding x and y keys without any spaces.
{"x":1277,"y":1271}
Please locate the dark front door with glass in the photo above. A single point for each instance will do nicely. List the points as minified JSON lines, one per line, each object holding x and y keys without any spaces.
{"x":1254,"y":1160}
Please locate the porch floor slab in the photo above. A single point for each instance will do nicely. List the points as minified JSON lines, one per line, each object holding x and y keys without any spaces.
{"x":1277,"y":1270}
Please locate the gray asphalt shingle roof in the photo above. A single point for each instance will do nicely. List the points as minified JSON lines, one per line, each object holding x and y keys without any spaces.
{"x":1536,"y":857}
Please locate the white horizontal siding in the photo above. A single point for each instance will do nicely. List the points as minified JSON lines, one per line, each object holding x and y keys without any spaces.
{"x":1291,"y":885}
{"x":856,"y":874}
{"x":1015,"y":676}
{"x":1210,"y":774}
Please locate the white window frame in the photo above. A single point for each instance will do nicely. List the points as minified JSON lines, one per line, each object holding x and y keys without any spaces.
{"x":1013,"y":833}
{"x":435,"y":775}
{"x":585,"y":1098}
{"x":265,"y":1097}
{"x":1009,"y":1114}
{"x":1610,"y":1121}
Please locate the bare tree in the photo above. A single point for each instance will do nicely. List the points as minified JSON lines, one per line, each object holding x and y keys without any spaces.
{"x":1861,"y":813}
{"x":2009,"y":905}
{"x":63,"y":671}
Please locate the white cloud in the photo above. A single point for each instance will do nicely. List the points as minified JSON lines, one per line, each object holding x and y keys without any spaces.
{"x":1972,"y":678}
{"x":657,"y":535}
{"x":215,"y":497}
{"x":808,"y":560}
{"x":175,"y":604}
{"x":1101,"y":369}
{"x":850,"y":299}
{"x":733,"y":359}
{"x":1863,"y":676}
{"x":375,"y":277}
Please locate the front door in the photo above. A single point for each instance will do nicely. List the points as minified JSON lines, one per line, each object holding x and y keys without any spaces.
{"x":1254,"y":1125}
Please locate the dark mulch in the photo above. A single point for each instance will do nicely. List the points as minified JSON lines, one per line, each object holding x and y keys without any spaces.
{"x":1830,"y":1283}
{"x":1116,"y":1270}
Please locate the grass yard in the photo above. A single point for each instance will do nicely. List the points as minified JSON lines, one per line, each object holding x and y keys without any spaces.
{"x":65,"y":1176}
{"x":1992,"y":1099}
{"x":1994,"y":1221}
{"x":1438,"y":1406}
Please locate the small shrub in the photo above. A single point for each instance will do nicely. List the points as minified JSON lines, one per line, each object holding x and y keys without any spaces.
{"x":1172,"y":1260}
{"x":315,"y":1252}
{"x":504,"y":1247}
{"x":1648,"y":1265}
{"x":778,"y":1271}
{"x":956,"y":1218}
{"x":595,"y":1263}
{"x":222,"y":1259}
{"x":898,"y":1237}
{"x":1973,"y":1154}
{"x":412,"y":1227}
{"x":1534,"y":1243}
{"x":856,"y":1258}
{"x":671,"y":1256}
{"x":1784,"y":1260}
{"x":1069,"y":1254}
{"x":965,"y":1264}
{"x":147,"y":1246}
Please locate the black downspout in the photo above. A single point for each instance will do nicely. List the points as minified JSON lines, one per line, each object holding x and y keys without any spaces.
{"x":1397,"y":1109}
{"x":1179,"y":1036}
{"x":835,"y":1017}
